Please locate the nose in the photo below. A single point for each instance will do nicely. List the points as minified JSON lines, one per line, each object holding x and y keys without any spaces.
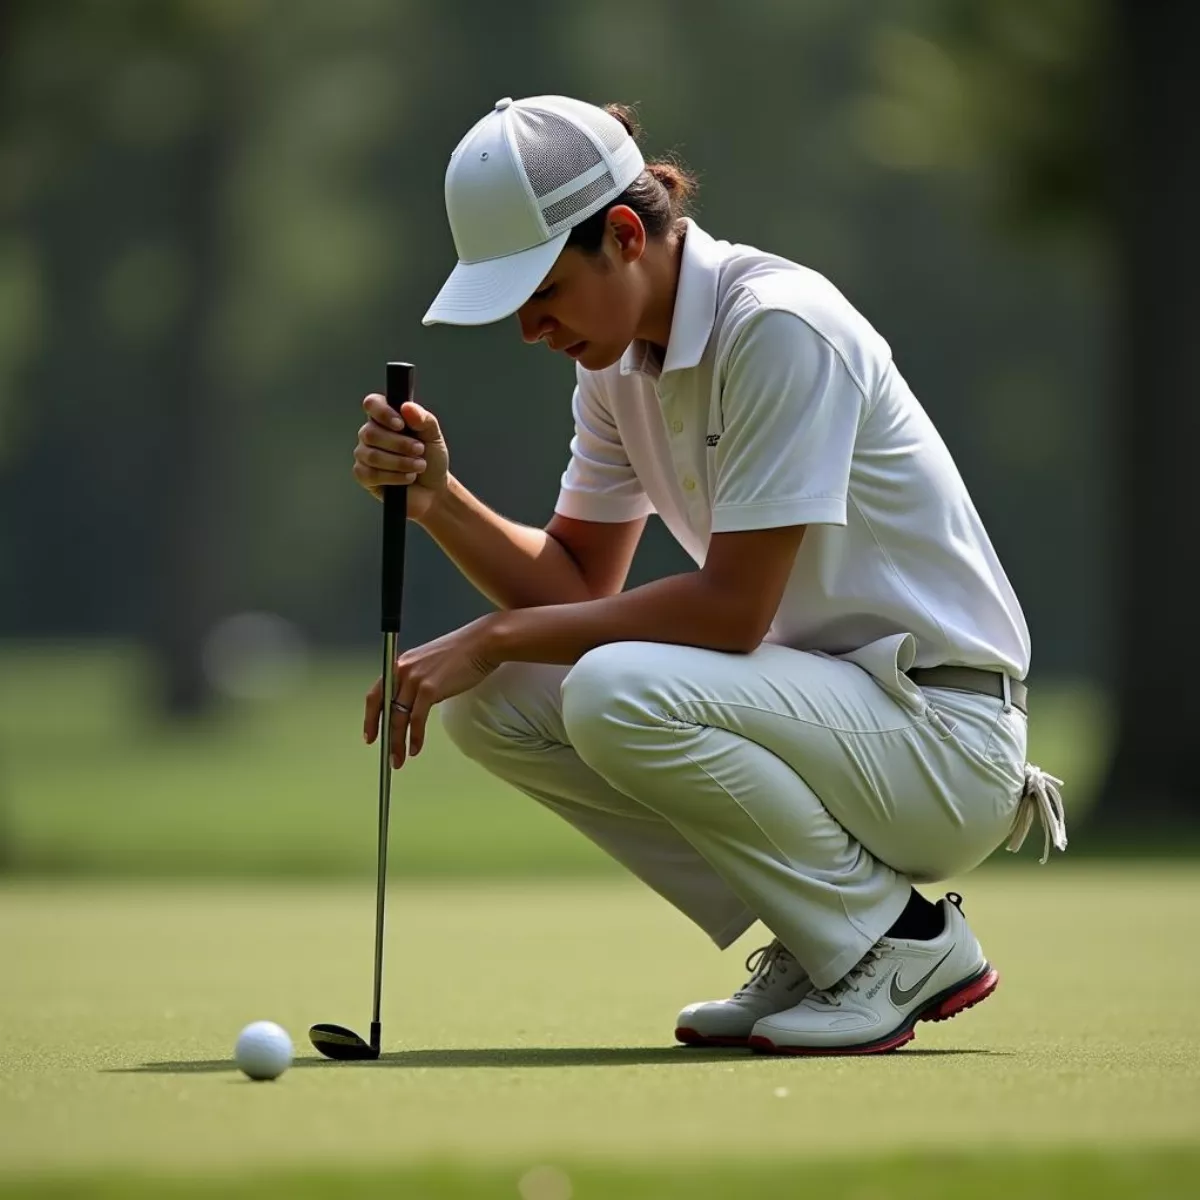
{"x":534,"y":325}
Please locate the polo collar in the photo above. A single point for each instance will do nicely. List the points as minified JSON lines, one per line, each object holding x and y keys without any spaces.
{"x":695,"y":309}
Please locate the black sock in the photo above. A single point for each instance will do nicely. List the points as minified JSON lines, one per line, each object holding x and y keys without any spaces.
{"x":920,"y":920}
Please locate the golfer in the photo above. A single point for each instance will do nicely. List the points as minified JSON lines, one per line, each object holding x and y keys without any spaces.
{"x":829,"y":708}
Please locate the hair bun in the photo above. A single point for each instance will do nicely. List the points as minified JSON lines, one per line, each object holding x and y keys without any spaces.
{"x":679,"y":183}
{"x":626,"y":115}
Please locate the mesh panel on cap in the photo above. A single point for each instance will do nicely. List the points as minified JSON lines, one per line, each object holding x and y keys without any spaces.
{"x":553,"y":151}
{"x":607,"y":130}
{"x":565,"y":209}
{"x":611,"y":132}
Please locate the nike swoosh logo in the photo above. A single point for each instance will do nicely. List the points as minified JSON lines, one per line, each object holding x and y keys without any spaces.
{"x":901,"y":996}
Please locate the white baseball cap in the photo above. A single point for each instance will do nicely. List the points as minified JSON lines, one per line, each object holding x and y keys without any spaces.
{"x":516,"y":185}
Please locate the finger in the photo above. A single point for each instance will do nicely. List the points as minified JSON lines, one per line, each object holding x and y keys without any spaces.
{"x":375,"y":480}
{"x":421,"y":421}
{"x":379,"y":410}
{"x":400,"y":722}
{"x":382,"y":413}
{"x":374,"y":703}
{"x":418,"y":719}
{"x":387,"y":460}
{"x":386,"y":439}
{"x":370,"y":477}
{"x":382,"y":467}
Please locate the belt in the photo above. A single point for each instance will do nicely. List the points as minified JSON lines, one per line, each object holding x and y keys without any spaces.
{"x":974,"y":679}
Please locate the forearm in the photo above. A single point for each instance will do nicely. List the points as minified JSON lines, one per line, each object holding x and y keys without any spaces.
{"x":513,"y":565}
{"x":685,"y":610}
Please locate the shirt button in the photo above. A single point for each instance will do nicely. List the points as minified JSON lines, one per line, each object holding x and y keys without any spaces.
{"x":690,"y":484}
{"x":677,"y":426}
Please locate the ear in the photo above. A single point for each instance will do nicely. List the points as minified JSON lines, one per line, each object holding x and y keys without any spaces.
{"x":628,"y":232}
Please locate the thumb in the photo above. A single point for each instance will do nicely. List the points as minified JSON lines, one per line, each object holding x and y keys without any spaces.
{"x":421,"y":421}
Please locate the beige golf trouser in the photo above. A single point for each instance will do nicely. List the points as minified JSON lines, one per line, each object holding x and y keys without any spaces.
{"x":800,"y":789}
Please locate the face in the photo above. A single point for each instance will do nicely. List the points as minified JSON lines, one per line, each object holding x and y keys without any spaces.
{"x":589,"y":306}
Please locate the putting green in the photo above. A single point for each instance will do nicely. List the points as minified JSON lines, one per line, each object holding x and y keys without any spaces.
{"x":529,"y":1025}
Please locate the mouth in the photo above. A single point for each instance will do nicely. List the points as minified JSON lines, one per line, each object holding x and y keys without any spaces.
{"x":576,"y":350}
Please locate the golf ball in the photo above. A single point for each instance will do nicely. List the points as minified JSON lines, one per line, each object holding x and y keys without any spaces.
{"x":263,"y":1050}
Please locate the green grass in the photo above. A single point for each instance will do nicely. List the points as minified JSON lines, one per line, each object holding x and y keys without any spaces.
{"x":1050,"y":1175}
{"x":283,"y":787}
{"x":531,"y":1024}
{"x":89,"y":785}
{"x":530,"y":989}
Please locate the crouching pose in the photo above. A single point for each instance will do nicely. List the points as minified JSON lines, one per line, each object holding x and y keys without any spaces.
{"x":828,"y":710}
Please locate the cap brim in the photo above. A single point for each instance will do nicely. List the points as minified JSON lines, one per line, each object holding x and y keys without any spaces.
{"x":479,"y":293}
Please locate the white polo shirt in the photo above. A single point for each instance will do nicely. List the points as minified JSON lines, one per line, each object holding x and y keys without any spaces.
{"x":779,"y":404}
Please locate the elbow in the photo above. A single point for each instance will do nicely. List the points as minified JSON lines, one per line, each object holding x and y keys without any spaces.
{"x":743,"y":632}
{"x":735,"y":626}
{"x":752,"y":639}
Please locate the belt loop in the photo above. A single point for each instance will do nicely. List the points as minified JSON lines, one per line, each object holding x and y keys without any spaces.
{"x":1006,"y":691}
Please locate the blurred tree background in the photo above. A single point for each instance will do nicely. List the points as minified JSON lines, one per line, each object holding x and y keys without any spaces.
{"x":220,"y":218}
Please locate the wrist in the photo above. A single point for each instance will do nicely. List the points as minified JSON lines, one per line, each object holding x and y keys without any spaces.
{"x":500,"y":635}
{"x":441,"y":506}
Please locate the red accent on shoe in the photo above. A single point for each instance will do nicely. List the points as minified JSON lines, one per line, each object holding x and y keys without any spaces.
{"x":765,"y":1046}
{"x":689,"y":1037}
{"x":966,"y":997}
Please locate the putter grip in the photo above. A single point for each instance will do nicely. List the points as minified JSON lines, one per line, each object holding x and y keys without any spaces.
{"x":401,"y":379}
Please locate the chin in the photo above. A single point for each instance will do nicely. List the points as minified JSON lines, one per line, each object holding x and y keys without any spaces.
{"x":600,"y":358}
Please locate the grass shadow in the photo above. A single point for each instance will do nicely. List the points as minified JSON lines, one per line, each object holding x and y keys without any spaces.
{"x":510,"y":1057}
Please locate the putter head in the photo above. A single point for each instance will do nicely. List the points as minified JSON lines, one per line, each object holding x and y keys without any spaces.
{"x":336,"y":1041}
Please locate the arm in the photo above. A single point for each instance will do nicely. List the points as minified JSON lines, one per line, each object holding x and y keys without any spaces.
{"x":727,"y":605}
{"x":517,"y":566}
{"x":585,"y":550}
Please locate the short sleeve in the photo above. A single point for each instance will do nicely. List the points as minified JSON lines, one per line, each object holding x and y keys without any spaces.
{"x":599,"y":483}
{"x":791,"y":411}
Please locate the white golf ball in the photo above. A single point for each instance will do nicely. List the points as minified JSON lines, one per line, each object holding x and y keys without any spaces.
{"x":263,"y":1050}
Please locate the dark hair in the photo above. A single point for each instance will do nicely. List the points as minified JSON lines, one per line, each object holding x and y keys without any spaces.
{"x":660,"y":195}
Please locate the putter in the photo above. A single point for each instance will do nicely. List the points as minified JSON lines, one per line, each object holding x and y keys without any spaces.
{"x":336,"y":1041}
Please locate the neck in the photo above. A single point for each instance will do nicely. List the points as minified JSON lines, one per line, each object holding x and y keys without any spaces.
{"x":662,"y":261}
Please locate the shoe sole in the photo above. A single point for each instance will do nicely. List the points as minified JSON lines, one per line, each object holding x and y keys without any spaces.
{"x":942,"y":1007}
{"x":693,"y":1037}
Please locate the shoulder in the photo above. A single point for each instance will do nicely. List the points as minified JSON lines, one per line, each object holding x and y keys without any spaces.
{"x":773,"y":304}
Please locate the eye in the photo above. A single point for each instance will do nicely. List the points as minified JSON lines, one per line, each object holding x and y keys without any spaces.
{"x":544,"y":294}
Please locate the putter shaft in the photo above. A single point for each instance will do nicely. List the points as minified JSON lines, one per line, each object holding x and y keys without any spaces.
{"x":385,"y":800}
{"x":335,"y":1041}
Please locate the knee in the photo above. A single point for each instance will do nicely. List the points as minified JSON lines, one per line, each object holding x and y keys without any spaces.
{"x":606,"y":696}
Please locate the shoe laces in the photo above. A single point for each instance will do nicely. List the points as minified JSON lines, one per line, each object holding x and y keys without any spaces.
{"x":831,"y":996}
{"x":761,"y":964}
{"x":1040,"y":796}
